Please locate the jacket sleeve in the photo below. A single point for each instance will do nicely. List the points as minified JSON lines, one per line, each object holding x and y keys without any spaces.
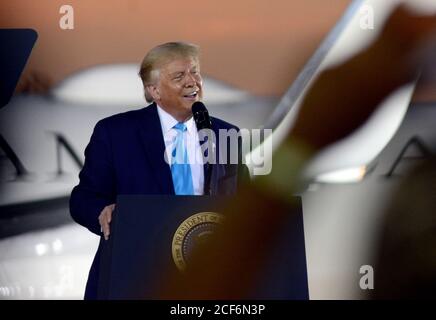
{"x":96,"y":188}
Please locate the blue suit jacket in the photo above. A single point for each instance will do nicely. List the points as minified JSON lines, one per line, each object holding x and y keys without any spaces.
{"x":125,"y":156}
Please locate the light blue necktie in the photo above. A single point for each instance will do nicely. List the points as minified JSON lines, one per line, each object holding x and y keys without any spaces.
{"x":180,"y":167}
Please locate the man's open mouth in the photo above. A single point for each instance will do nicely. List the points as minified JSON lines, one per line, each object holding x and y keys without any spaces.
{"x":191,"y":95}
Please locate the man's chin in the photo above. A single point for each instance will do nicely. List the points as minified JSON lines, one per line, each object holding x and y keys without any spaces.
{"x":187,"y":105}
{"x":190,"y":101}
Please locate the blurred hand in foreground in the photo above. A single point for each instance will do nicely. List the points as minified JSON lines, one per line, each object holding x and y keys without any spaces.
{"x":340,"y":100}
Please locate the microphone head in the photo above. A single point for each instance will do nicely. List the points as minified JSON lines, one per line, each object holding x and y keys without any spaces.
{"x":198,"y":106}
{"x":201,"y":116}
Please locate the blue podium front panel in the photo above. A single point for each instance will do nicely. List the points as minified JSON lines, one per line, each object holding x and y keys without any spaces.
{"x":153,"y":235}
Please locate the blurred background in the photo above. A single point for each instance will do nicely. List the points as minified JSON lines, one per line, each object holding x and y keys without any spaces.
{"x":258,"y":58}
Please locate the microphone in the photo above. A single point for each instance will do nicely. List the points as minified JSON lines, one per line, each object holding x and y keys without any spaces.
{"x":201,"y":116}
{"x":202,"y":121}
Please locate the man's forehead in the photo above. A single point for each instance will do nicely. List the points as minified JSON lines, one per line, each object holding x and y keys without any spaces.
{"x":180,"y":64}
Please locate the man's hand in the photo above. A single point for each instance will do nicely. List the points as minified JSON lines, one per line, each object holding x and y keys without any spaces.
{"x":105,"y":219}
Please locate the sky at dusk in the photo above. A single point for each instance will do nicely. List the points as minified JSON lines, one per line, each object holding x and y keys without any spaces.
{"x":258,"y":46}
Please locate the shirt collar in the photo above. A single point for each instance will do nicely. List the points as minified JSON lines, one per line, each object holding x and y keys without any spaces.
{"x":167,"y":121}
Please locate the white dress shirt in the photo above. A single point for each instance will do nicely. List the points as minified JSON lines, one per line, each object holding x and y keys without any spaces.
{"x":167,"y":123}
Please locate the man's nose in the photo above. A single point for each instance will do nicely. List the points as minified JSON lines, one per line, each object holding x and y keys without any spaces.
{"x":190,"y":80}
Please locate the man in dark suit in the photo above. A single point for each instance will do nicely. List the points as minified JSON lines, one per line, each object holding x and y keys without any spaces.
{"x":126,"y":152}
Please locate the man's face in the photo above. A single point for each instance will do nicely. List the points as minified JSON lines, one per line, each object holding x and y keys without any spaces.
{"x":178,"y":87}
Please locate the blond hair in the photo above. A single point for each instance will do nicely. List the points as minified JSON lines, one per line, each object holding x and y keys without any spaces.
{"x":160,"y":55}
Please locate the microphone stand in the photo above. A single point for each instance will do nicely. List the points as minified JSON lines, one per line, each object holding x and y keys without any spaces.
{"x":208,"y":178}
{"x":202,"y":121}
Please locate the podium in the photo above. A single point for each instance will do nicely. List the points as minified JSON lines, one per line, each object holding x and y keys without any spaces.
{"x":151,"y":233}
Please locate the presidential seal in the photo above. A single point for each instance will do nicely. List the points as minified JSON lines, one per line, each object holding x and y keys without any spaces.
{"x":192,"y":232}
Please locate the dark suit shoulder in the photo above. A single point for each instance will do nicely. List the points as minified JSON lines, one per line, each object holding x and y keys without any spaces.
{"x":221,"y":124}
{"x":123,"y":118}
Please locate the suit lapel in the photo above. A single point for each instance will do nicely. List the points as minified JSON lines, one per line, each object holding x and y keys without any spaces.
{"x":152,"y":139}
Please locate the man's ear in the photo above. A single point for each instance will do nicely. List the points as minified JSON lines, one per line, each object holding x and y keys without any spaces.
{"x":153,"y":91}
